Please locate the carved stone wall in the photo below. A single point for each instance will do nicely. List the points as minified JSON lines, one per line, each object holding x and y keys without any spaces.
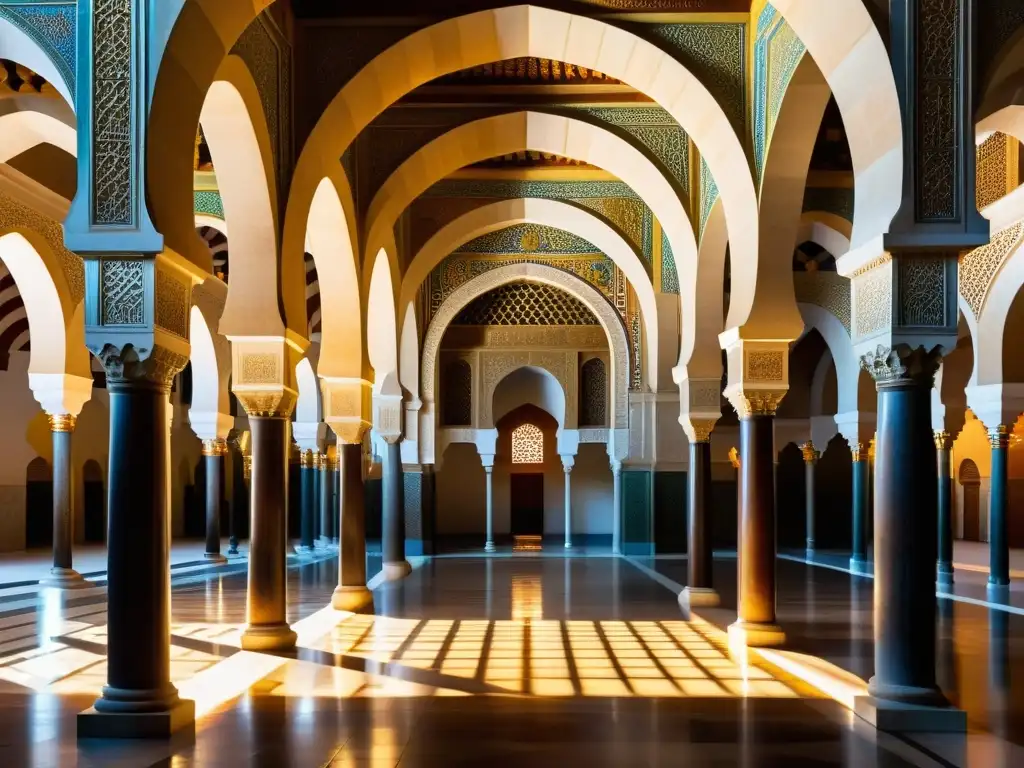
{"x":872,"y":292}
{"x":609,"y":319}
{"x":52,"y":26}
{"x":827,"y":290}
{"x":978,"y":268}
{"x":16,"y":215}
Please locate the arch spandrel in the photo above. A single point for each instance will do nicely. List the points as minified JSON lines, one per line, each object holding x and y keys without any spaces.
{"x":605,"y":313}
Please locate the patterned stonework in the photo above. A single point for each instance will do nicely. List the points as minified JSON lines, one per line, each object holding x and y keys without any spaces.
{"x":994,"y":175}
{"x":123,"y":290}
{"x":764,"y":367}
{"x":978,"y":267}
{"x":872,"y":291}
{"x":922,"y":292}
{"x":172,"y":304}
{"x":525,"y":304}
{"x":487,"y":282}
{"x":496,"y":366}
{"x":259,"y":369}
{"x":777,"y":52}
{"x":53,"y":26}
{"x":582,"y":337}
{"x":15,"y":215}
{"x":113,"y":192}
{"x":827,"y":290}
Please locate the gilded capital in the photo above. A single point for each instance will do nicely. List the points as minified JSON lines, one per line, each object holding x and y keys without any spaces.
{"x":699,"y":430}
{"x":756,"y":402}
{"x":62,"y":422}
{"x":215,"y":447}
{"x":275,"y":403}
{"x":943,"y":442}
{"x":810,"y":454}
{"x":306,"y":459}
{"x":857,"y":452}
{"x":999,"y":437}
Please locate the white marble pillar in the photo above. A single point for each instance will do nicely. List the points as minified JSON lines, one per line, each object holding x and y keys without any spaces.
{"x":616,"y":507}
{"x":489,"y":471}
{"x":567,"y":465}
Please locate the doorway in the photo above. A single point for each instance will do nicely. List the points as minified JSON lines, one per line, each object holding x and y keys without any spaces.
{"x":970,"y":481}
{"x":527,"y":504}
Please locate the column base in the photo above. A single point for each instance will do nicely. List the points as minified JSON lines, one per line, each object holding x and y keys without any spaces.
{"x":353,"y":599}
{"x":997,"y":593}
{"x":858,"y":565}
{"x":214,"y":558}
{"x":305,"y":551}
{"x":944,"y":577}
{"x":756,"y":635}
{"x":809,"y":553}
{"x":568,"y":545}
{"x":324,"y":543}
{"x":901,"y":717}
{"x":268,"y":637}
{"x":489,"y":547}
{"x":64,"y":578}
{"x":699,"y":597}
{"x":396,"y":571}
{"x":93,"y":724}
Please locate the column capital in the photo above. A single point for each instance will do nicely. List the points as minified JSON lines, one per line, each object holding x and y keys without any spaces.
{"x":810,"y":454}
{"x":347,"y":407}
{"x":61,"y":422}
{"x":215,"y":447}
{"x":857,"y":452}
{"x":60,"y":393}
{"x":487,"y":460}
{"x":306,"y":459}
{"x":758,"y":374}
{"x":263,"y":374}
{"x":616,"y":468}
{"x":943,"y":441}
{"x":568,"y":462}
{"x":698,"y":430}
{"x":999,"y":437}
{"x":700,"y":407}
{"x":902,"y":365}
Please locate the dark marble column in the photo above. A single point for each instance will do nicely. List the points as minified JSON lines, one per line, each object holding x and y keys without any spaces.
{"x":906,"y":481}
{"x":756,"y":556}
{"x":351,"y":593}
{"x":393,"y":491}
{"x":62,"y":575}
{"x":700,"y":589}
{"x":317,"y":533}
{"x":138,"y":690}
{"x":324,"y":487}
{"x":810,"y":465}
{"x":859,"y":554}
{"x":998,"y":515}
{"x":308,"y":480}
{"x":267,"y":624}
{"x":944,"y":563}
{"x":335,"y":476}
{"x":213,"y":456}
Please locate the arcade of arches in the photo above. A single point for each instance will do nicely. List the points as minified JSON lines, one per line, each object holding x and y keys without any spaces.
{"x":713,"y":295}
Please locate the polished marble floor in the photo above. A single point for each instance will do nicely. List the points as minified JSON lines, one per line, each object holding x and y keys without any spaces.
{"x":514,"y":660}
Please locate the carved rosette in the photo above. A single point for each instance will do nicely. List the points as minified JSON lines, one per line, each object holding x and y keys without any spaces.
{"x":758,"y":376}
{"x":347,"y":408}
{"x":902,"y":365}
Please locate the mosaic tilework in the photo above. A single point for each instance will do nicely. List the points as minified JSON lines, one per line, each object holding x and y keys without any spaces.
{"x":52,"y":26}
{"x":208,"y":202}
{"x":777,"y":52}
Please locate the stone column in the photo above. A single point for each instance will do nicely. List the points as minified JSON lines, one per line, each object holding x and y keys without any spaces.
{"x":325,"y":501}
{"x":138,"y":700}
{"x":393,"y":491}
{"x":998,"y":515}
{"x":351,"y":594}
{"x":308,"y":479}
{"x":810,"y":465}
{"x":567,"y":465}
{"x":756,"y":556}
{"x":489,"y":474}
{"x":317,"y":517}
{"x":700,"y":589}
{"x":616,"y":507}
{"x":213,"y":456}
{"x":62,"y":575}
{"x":944,"y":563}
{"x":335,"y":477}
{"x":859,"y":550}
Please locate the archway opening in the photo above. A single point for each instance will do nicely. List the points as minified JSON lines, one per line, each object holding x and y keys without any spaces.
{"x":970,"y":483}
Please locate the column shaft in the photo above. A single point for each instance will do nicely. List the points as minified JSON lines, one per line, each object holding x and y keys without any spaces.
{"x":317,"y":533}
{"x":489,"y":544}
{"x":998,"y":533}
{"x":700,"y":582}
{"x":393,"y":492}
{"x":267,"y":627}
{"x":810,"y":465}
{"x":905,"y":540}
{"x":616,"y":508}
{"x":335,"y":477}
{"x":213,"y":457}
{"x":944,"y":565}
{"x":351,"y":593}
{"x":62,"y":574}
{"x":325,"y":502}
{"x":307,"y":477}
{"x":568,"y":509}
{"x":757,"y":531}
{"x":138,"y":554}
{"x":859,"y":553}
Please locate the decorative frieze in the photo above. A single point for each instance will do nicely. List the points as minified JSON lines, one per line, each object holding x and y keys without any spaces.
{"x":526,"y":337}
{"x":978,"y":268}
